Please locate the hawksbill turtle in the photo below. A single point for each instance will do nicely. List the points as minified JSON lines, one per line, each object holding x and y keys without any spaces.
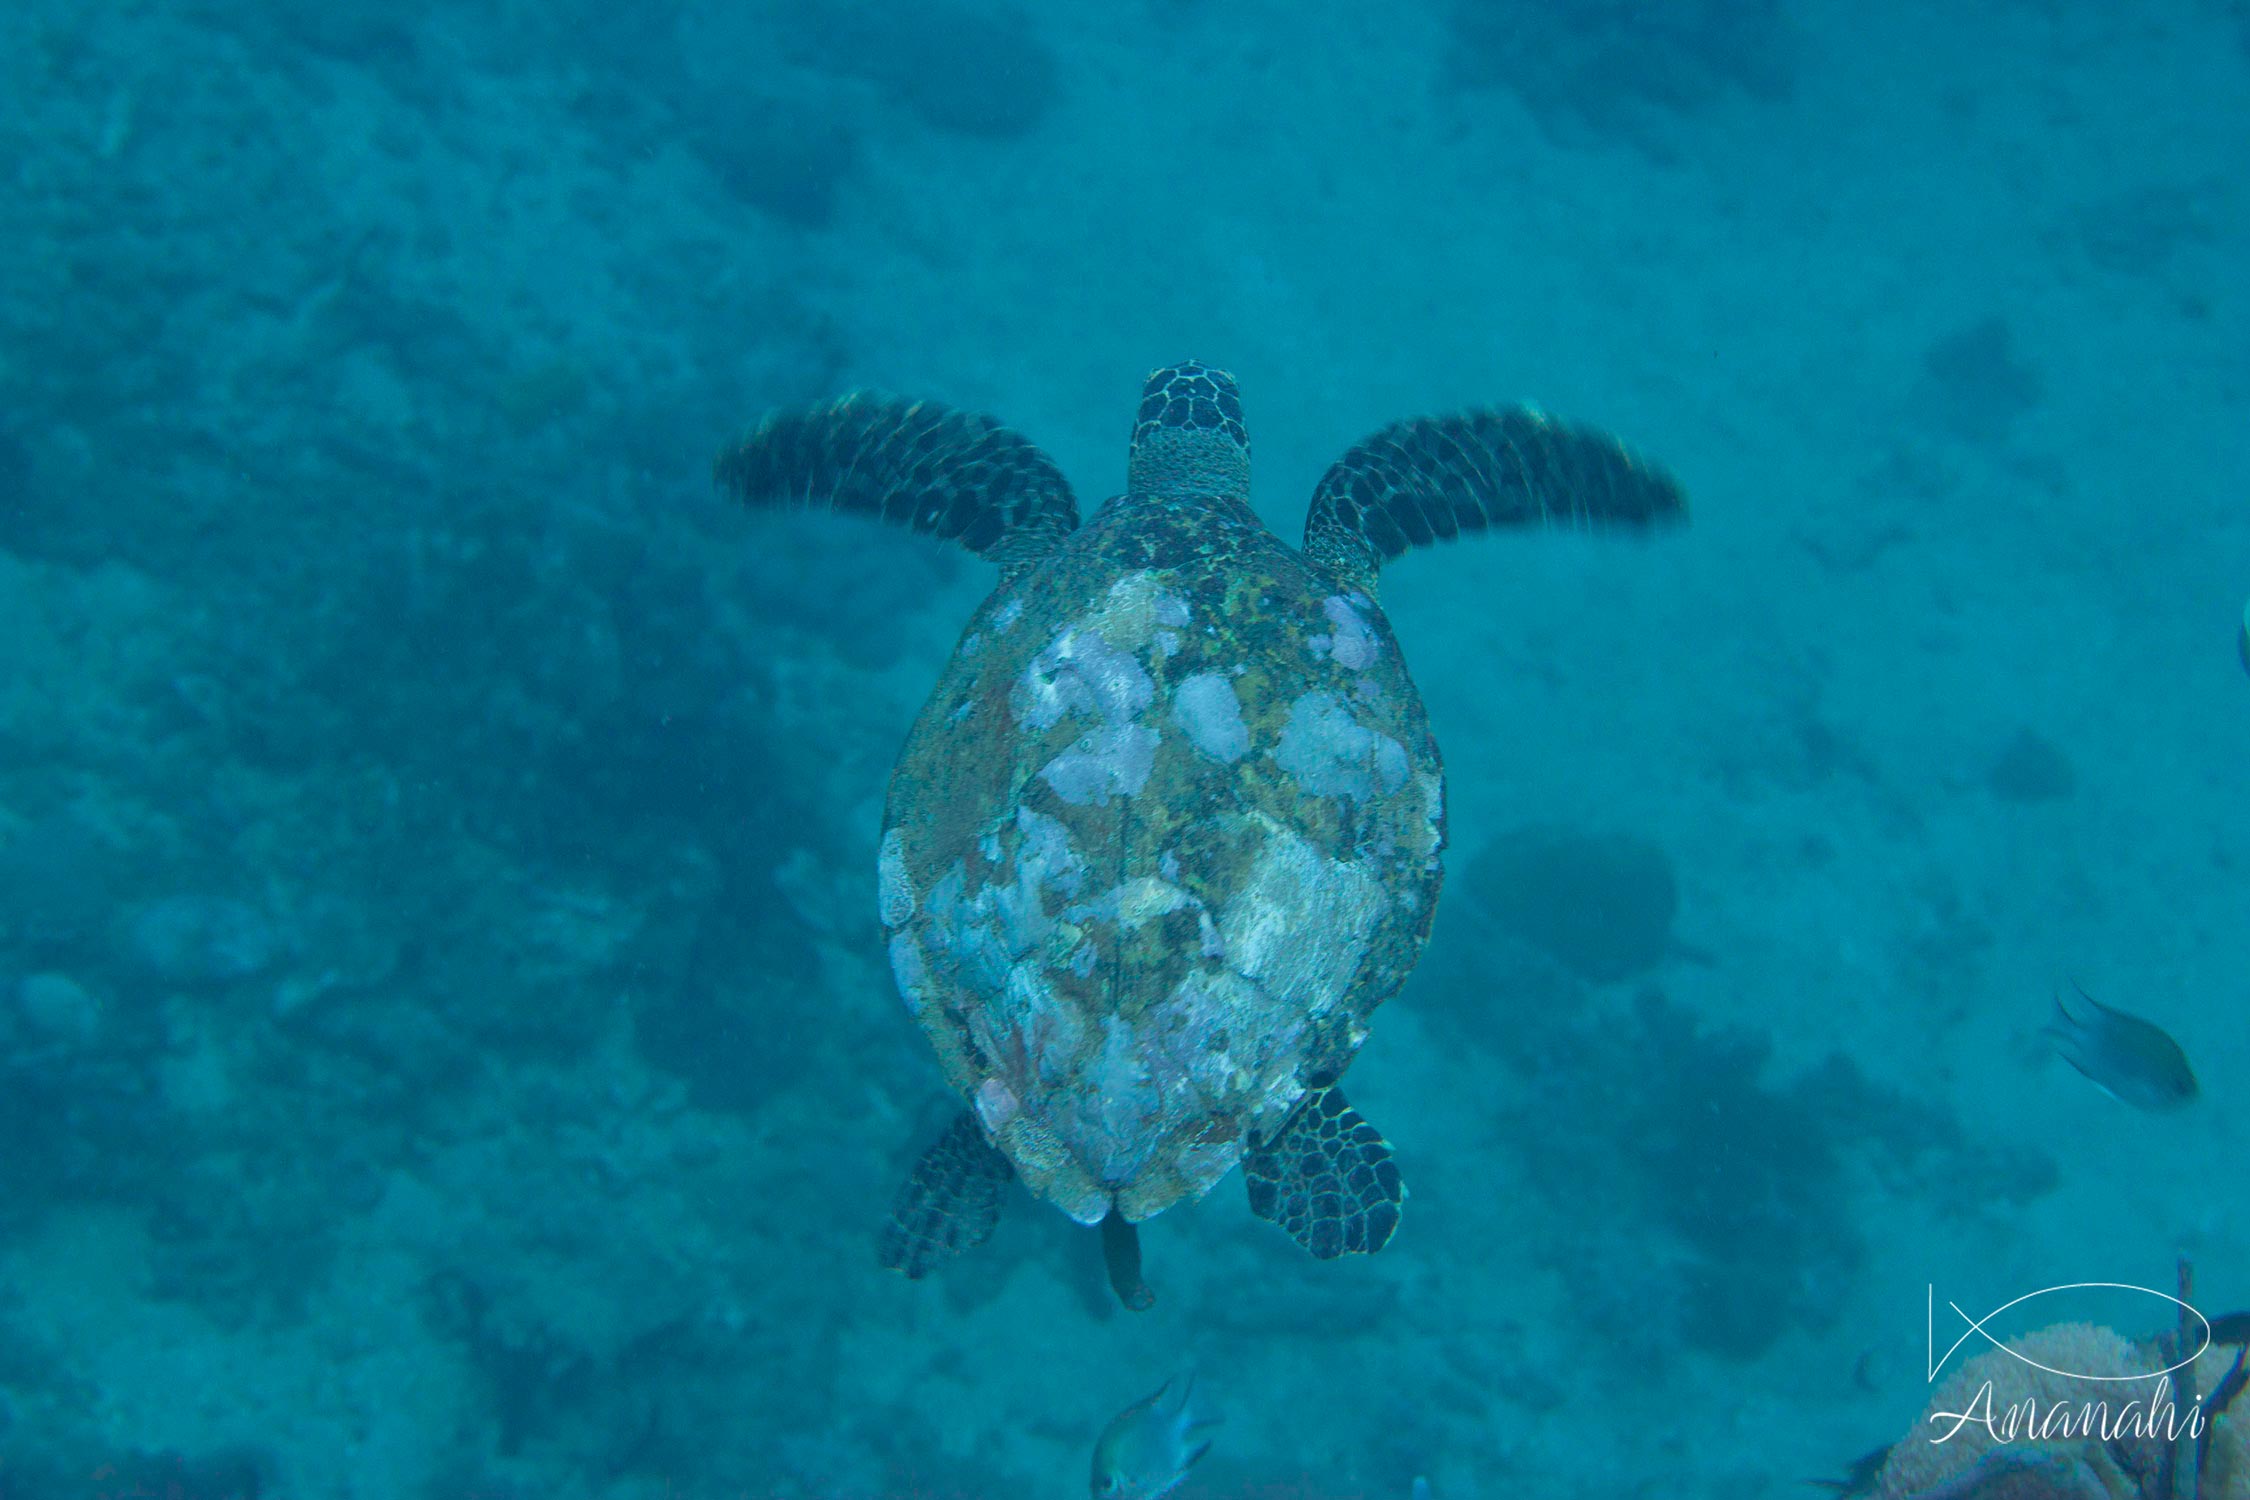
{"x":1168,"y":829}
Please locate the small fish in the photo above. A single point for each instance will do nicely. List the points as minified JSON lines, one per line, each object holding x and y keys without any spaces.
{"x":1147,"y":1449}
{"x":2131,"y":1060}
{"x":1860,"y":1475}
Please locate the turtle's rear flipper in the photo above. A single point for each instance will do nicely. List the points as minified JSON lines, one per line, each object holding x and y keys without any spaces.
{"x":949,"y":474}
{"x":1327,"y":1178}
{"x":1432,"y":478}
{"x":949,"y":1202}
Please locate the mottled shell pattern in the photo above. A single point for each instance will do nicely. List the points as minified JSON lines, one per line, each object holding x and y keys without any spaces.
{"x":1165,"y":835}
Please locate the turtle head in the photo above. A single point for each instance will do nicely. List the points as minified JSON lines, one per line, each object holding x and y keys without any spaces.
{"x":1188,"y":437}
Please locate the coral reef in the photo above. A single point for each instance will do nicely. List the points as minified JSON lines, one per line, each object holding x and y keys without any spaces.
{"x":1974,"y":383}
{"x":783,"y":156}
{"x":2031,"y":768}
{"x":16,"y":485}
{"x":230,"y":1474}
{"x":197,"y":939}
{"x":2063,"y":1366}
{"x":1708,"y":1204}
{"x":958,"y":65}
{"x":59,"y":880}
{"x":1739,"y":1186}
{"x":1615,"y":68}
{"x":2143,"y":230}
{"x":1601,"y":905}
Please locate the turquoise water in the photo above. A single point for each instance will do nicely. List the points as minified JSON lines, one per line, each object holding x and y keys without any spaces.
{"x":447,"y":1048}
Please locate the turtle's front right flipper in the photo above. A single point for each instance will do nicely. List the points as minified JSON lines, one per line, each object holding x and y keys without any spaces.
{"x":1327,"y":1178}
{"x":1432,"y":478}
{"x":948,"y":1203}
{"x":956,"y":475}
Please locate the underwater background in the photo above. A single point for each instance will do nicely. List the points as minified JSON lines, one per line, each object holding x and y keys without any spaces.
{"x":446,"y":1044}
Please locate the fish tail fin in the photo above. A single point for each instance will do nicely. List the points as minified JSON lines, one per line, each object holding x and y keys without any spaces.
{"x":2055,"y":1038}
{"x":2065,"y":1036}
{"x":2089,"y":1012}
{"x":1188,"y":1417}
{"x":2064,"y":1027}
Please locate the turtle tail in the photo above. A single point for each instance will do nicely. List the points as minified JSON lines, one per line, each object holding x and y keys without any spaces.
{"x":959,"y":476}
{"x":1432,"y":478}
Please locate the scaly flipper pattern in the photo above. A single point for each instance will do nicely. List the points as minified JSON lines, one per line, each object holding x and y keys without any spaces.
{"x":1431,"y":478}
{"x":949,"y":1202}
{"x":956,"y":475}
{"x":1327,"y":1179}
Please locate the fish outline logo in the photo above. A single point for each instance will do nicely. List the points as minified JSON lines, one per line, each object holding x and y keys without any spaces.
{"x":1935,"y":1362}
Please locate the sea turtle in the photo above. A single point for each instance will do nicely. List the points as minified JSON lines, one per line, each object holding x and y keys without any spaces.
{"x":1167,"y":831}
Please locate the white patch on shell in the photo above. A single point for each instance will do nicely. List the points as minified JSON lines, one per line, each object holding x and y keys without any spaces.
{"x":1131,"y":905}
{"x":1020,"y":913}
{"x":1334,"y":755}
{"x":996,"y":1106}
{"x":1004,"y":618}
{"x":1045,"y":861}
{"x":894,"y":888}
{"x":1433,"y":792}
{"x":1067,"y":1187}
{"x":1044,"y":851}
{"x":979,"y":941}
{"x":1135,"y":607}
{"x":1222,"y":1032}
{"x":1027,"y":1019}
{"x":1080,"y":672}
{"x":1350,"y":642}
{"x":962,"y":938}
{"x":1113,"y":761}
{"x":1125,"y":1097}
{"x":912,"y":974}
{"x":1301,"y":923}
{"x":1208,"y":712}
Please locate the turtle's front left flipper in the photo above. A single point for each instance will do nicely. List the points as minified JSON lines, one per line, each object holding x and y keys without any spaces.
{"x":1432,"y":478}
{"x":948,"y":1203}
{"x":957,"y":475}
{"x":1327,"y":1178}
